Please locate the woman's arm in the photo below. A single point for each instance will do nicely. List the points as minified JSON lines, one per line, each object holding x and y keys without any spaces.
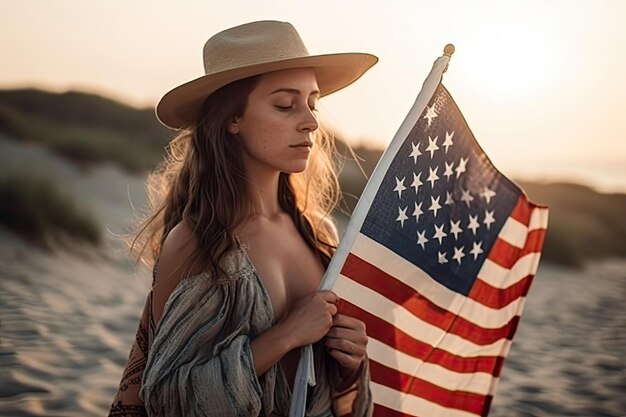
{"x":127,"y":402}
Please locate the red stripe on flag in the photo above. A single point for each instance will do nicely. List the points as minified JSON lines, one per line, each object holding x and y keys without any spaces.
{"x":400,"y":381}
{"x":506,"y":255}
{"x":386,"y":333}
{"x":522,"y":210}
{"x":498,"y":298}
{"x":386,"y":285}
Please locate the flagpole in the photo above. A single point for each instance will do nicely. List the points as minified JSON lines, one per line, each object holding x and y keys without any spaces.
{"x":305,"y":374}
{"x":358,"y":216}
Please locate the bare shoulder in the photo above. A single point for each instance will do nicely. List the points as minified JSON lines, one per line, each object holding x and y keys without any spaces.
{"x":175,"y":264}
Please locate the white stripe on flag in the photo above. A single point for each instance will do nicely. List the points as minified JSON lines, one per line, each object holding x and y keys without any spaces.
{"x":475,"y":382}
{"x":409,"y":274}
{"x":410,"y":404}
{"x":399,"y":317}
{"x":500,"y":277}
{"x":538,"y":219}
{"x":514,"y":233}
{"x":487,"y":317}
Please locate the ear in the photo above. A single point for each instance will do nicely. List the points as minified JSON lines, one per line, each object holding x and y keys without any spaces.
{"x":233,"y":126}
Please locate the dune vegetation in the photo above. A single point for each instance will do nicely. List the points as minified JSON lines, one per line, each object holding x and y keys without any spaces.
{"x":584,"y":224}
{"x":84,"y":128}
{"x":36,"y":209}
{"x":88,"y":129}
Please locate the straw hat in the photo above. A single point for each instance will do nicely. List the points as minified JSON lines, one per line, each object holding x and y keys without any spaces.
{"x":252,"y":49}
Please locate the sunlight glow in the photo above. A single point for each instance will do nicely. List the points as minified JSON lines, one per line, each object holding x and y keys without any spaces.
{"x":540,"y":82}
{"x":515,"y":56}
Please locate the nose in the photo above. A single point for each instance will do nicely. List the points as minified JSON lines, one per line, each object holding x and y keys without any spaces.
{"x":309,"y":121}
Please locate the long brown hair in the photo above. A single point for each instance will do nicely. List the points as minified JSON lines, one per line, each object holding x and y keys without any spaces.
{"x":202,"y":181}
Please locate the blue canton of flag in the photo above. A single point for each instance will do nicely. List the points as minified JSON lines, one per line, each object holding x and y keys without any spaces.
{"x":449,"y":201}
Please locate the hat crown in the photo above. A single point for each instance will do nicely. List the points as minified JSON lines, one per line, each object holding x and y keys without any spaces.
{"x":252,"y":44}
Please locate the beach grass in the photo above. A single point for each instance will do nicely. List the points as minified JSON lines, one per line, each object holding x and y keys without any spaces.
{"x":87,"y":129}
{"x":84,"y":128}
{"x":36,"y":209}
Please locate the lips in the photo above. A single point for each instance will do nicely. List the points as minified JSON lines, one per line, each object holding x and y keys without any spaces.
{"x":305,"y":144}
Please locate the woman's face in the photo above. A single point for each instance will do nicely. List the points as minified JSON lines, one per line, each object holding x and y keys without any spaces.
{"x":276,"y":129}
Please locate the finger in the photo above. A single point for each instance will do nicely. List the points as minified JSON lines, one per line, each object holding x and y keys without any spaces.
{"x":332,"y":309}
{"x":345,"y":360}
{"x":329,"y":296}
{"x":355,"y":336}
{"x":346,"y":346}
{"x":348,"y":322}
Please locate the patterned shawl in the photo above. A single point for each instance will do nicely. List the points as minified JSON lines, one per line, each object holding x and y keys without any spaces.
{"x":198,"y":361}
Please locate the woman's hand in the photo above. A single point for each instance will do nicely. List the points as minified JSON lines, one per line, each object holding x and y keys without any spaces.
{"x":347,"y":341}
{"x":310,"y":318}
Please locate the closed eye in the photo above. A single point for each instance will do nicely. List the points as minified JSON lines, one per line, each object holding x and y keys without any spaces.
{"x":286,"y":108}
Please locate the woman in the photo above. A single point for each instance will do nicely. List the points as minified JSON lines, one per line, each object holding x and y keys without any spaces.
{"x":242,"y":234}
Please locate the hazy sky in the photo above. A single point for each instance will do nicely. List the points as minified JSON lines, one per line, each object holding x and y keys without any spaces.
{"x":542,"y":84}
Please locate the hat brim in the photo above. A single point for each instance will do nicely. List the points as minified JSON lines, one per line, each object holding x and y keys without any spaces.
{"x":179,"y":107}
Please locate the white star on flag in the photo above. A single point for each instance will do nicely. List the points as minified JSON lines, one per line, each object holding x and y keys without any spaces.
{"x":432,"y":146}
{"x":439,"y":233}
{"x":476,"y":249}
{"x":416,"y":152}
{"x":417,"y":182}
{"x":488,"y":194}
{"x":432,"y":176}
{"x":473,"y":224}
{"x":466,"y":196}
{"x":448,"y":142}
{"x":449,"y":200}
{"x":399,"y":187}
{"x":442,"y":258}
{"x":458,"y":254}
{"x":421,"y":238}
{"x":488,"y":218}
{"x":418,"y":211}
{"x":455,"y":229}
{"x":430,"y":114}
{"x":402,"y":216}
{"x":461,"y":168}
{"x":448,"y":172}
{"x":434,"y":205}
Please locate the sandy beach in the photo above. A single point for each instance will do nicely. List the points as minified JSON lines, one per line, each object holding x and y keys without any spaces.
{"x":67,"y":324}
{"x":67,"y":319}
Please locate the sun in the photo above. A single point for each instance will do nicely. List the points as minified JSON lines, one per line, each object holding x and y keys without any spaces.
{"x":513,"y":53}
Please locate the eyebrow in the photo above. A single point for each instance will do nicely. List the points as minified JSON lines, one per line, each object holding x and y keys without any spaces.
{"x":293,"y":91}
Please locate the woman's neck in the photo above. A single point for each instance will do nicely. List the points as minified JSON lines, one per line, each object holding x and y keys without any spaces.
{"x":263,"y":195}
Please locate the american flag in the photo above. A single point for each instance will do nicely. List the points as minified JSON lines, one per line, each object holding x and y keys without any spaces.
{"x":437,"y":261}
{"x":440,"y":269}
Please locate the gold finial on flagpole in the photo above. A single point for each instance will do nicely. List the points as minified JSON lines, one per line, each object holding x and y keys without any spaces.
{"x":448,"y":50}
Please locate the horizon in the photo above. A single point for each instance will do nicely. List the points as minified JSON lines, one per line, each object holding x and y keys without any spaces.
{"x":546,"y":76}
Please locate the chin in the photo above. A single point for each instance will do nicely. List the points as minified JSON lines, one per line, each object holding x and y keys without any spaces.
{"x":296,"y":168}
